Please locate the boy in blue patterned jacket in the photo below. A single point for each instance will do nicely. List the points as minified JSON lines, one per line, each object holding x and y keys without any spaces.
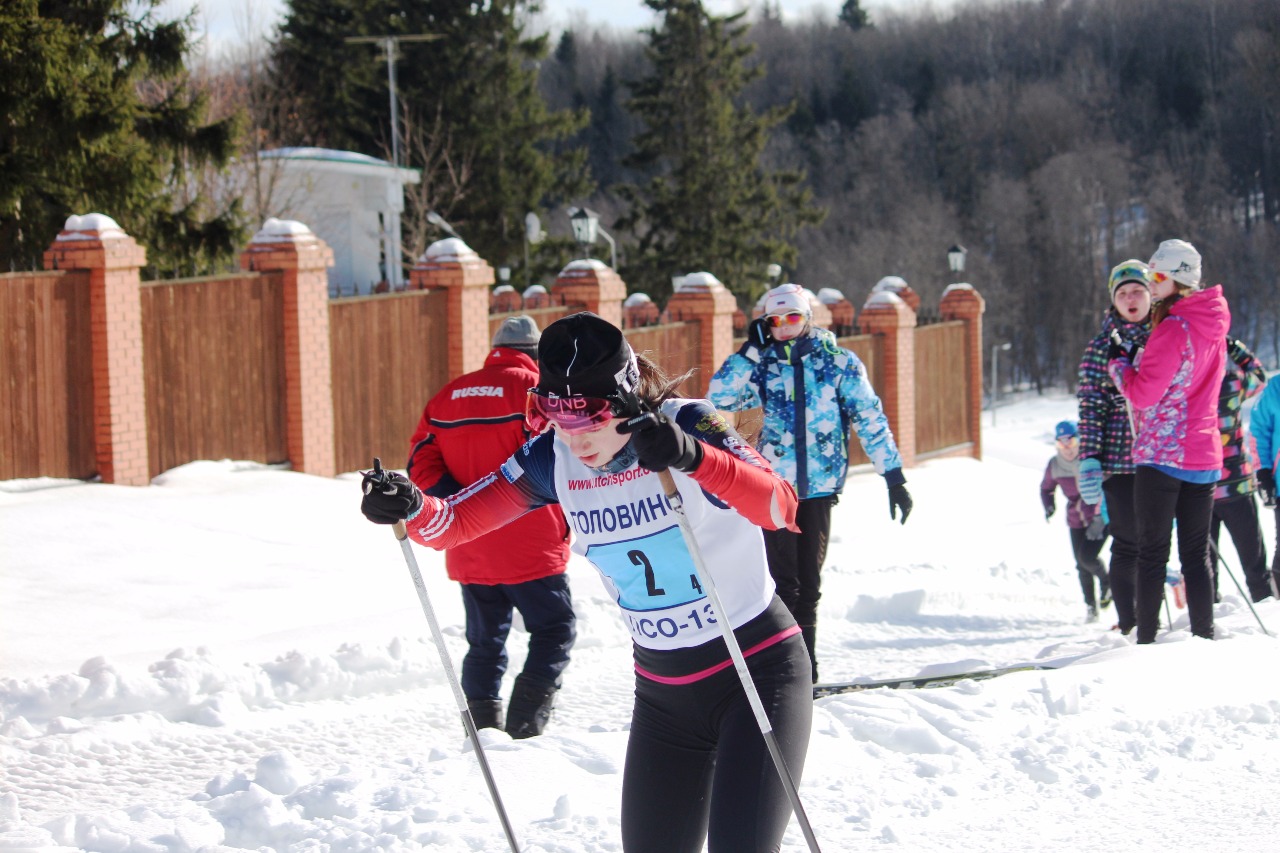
{"x":812,"y":391}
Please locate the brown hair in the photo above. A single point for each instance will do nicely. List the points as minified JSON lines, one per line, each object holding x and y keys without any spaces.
{"x":1161,"y":308}
{"x":655,"y":385}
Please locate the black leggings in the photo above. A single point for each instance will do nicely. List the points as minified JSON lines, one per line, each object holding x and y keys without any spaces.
{"x":1088,"y":564}
{"x":795,"y":559}
{"x":1240,"y":515}
{"x":1123,"y":527}
{"x":697,"y":766}
{"x":1159,"y":499}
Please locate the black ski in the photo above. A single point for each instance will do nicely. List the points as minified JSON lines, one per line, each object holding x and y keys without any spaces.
{"x":820,"y":690}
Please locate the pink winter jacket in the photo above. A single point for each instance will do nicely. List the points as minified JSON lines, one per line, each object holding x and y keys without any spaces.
{"x":1175,"y":387}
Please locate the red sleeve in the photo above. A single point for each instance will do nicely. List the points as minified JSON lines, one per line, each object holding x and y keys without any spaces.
{"x":485,"y":505}
{"x":758,"y":494}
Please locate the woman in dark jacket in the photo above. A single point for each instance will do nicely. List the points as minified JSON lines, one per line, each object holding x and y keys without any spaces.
{"x":1106,"y":430}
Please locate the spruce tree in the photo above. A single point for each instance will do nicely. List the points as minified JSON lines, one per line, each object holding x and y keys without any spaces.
{"x":99,"y":118}
{"x":708,"y":203}
{"x":470,"y":97}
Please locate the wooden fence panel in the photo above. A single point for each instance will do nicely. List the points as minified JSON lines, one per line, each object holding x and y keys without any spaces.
{"x":390,"y":355}
{"x":46,"y":387}
{"x":675,"y":348}
{"x":213,"y":355}
{"x":941,"y":372}
{"x":542,"y":316}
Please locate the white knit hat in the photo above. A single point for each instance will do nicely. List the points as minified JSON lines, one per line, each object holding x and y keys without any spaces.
{"x":1179,"y":260}
{"x":786,"y":298}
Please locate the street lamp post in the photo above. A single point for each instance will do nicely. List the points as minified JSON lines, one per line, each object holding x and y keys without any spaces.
{"x":532,"y":234}
{"x":995,"y":376}
{"x":955,"y":258}
{"x":391,"y":47}
{"x":586,"y":227}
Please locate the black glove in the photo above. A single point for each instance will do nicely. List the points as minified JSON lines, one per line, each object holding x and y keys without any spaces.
{"x":899,"y":499}
{"x":388,"y":497}
{"x":758,"y":336}
{"x":1096,"y":530}
{"x":1120,"y":348}
{"x":661,"y":444}
{"x":1049,"y":511}
{"x":1267,"y":485}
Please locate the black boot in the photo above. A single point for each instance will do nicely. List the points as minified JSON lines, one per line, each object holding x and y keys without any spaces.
{"x":530,"y":707}
{"x":810,"y":632}
{"x":486,"y":713}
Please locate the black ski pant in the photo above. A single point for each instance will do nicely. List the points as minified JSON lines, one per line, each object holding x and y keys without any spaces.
{"x":1123,"y":527}
{"x":1240,"y":515}
{"x":547,"y":610}
{"x":1088,"y":563}
{"x":1160,"y":499}
{"x":1275,"y":558}
{"x":795,"y":559}
{"x":698,"y":767}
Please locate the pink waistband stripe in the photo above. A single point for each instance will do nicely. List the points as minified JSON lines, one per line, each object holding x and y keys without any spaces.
{"x":712,"y":670}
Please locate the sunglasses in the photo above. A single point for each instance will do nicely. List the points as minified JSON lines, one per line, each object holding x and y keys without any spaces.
{"x":1067,"y":439}
{"x":795,"y":318}
{"x":1159,"y":277}
{"x":570,"y":415}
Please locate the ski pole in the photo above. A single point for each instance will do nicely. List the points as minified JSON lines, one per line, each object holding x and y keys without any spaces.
{"x":1248,"y":599}
{"x":739,"y":662}
{"x":402,"y":534}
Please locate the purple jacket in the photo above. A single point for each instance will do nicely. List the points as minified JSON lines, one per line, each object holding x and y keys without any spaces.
{"x":1174,"y":389}
{"x":1061,"y":474}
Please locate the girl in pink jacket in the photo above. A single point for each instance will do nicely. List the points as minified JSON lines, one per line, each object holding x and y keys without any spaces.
{"x":1173,"y":390}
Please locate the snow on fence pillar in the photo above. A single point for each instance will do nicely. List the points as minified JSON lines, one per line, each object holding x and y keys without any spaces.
{"x":453,"y":265}
{"x":888,"y":317}
{"x":701,"y":296}
{"x":962,"y":302}
{"x":594,"y":285}
{"x":303,"y":259}
{"x":96,"y":244}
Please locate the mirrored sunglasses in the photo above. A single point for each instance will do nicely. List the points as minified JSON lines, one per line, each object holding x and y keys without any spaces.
{"x":1160,"y":277}
{"x":795,"y":318}
{"x":571,"y":415}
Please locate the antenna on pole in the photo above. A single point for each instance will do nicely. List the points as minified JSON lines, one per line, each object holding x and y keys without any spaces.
{"x":391,"y":48}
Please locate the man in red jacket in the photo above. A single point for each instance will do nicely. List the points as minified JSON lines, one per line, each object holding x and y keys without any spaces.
{"x":466,"y":432}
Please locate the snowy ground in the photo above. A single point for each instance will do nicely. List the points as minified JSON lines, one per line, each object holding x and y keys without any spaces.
{"x":233,"y":658}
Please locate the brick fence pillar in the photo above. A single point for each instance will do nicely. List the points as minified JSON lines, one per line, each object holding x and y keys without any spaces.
{"x":291,"y":249}
{"x":112,"y":258}
{"x":704,"y":298}
{"x":595,"y":285}
{"x":890,"y":318}
{"x":962,"y":302}
{"x":453,"y":265}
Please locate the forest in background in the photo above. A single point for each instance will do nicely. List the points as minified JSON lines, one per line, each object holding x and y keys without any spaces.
{"x":1052,"y":138}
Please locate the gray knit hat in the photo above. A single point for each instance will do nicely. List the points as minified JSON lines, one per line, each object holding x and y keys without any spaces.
{"x":519,"y":331}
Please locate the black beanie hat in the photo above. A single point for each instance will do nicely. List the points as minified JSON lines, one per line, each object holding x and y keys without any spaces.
{"x":584,"y":355}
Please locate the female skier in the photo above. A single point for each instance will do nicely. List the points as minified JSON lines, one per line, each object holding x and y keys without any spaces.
{"x":1106,"y":430}
{"x":697,"y":766}
{"x":1173,"y":388}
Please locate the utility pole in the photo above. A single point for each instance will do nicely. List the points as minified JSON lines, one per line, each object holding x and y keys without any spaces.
{"x":391,"y":48}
